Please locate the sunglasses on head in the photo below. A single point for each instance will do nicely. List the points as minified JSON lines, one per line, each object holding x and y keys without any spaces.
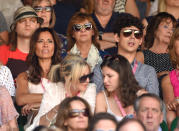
{"x":76,"y":112}
{"x":46,"y":8}
{"x":78,"y":27}
{"x":83,"y":78}
{"x":128,"y":32}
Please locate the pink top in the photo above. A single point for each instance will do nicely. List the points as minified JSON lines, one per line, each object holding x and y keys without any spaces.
{"x":174,"y":78}
{"x":7,"y":109}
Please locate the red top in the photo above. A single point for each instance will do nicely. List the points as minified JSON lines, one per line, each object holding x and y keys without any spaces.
{"x":15,"y":60}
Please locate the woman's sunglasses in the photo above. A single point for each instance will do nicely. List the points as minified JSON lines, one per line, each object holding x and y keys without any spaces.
{"x":83,"y":78}
{"x":128,"y":32}
{"x":46,"y":8}
{"x":76,"y":112}
{"x":78,"y":27}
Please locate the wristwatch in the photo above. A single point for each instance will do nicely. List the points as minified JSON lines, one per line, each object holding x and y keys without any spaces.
{"x":100,"y":35}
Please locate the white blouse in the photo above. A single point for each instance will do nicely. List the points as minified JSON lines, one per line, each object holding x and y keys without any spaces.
{"x":6,"y":79}
{"x":55,"y":93}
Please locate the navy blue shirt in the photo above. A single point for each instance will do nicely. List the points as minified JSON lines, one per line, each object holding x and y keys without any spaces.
{"x":63,"y":13}
{"x":108,"y":28}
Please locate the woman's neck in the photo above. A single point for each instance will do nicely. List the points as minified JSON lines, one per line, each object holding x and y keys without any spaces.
{"x":84,"y":48}
{"x":45,"y":65}
{"x":45,"y":25}
{"x":159,"y":47}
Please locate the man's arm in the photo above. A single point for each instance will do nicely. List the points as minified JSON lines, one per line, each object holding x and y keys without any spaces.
{"x":152,"y":84}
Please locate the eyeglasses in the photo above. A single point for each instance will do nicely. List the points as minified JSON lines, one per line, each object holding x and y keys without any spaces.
{"x":76,"y":112}
{"x":83,"y":78}
{"x":128,"y":32}
{"x":78,"y":27}
{"x":46,"y":8}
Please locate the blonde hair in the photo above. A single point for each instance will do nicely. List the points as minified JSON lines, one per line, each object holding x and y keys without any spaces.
{"x":68,"y":71}
{"x":53,"y":17}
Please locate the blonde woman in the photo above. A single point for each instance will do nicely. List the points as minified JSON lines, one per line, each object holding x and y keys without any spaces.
{"x":71,"y":78}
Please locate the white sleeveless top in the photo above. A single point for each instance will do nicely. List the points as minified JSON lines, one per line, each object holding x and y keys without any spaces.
{"x":55,"y":93}
{"x":118,"y":118}
{"x":38,"y":88}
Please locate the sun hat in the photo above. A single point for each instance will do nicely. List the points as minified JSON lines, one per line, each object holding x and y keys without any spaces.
{"x":25,"y":12}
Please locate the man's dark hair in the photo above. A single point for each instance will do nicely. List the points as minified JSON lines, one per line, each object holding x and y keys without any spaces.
{"x":126,"y":20}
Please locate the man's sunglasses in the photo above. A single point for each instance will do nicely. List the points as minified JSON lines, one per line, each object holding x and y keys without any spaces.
{"x":83,"y":78}
{"x":46,"y":8}
{"x":78,"y":27}
{"x":76,"y":112}
{"x":128,"y":32}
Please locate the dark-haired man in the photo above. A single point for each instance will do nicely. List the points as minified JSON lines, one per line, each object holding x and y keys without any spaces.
{"x":128,"y":34}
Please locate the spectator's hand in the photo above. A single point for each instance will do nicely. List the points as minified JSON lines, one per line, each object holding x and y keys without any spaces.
{"x":141,"y":92}
{"x":173,"y":105}
{"x":29,"y":107}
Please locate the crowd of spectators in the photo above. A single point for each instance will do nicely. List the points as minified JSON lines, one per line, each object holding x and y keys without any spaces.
{"x":89,"y":65}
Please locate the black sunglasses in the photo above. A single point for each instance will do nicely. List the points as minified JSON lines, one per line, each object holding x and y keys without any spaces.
{"x":78,"y":27}
{"x":46,"y":8}
{"x":128,"y":32}
{"x":76,"y":112}
{"x":83,"y":78}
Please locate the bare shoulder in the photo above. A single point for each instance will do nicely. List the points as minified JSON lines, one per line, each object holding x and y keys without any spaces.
{"x":140,"y":56}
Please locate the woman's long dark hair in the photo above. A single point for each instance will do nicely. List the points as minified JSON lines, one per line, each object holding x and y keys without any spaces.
{"x":34,"y":68}
{"x":128,"y":86}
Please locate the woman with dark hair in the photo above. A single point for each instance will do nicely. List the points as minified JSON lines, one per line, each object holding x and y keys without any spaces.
{"x":170,"y":83}
{"x":82,"y":40}
{"x":157,"y":40}
{"x":103,"y":121}
{"x":121,"y":88}
{"x":44,"y":52}
{"x":74,"y":114}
